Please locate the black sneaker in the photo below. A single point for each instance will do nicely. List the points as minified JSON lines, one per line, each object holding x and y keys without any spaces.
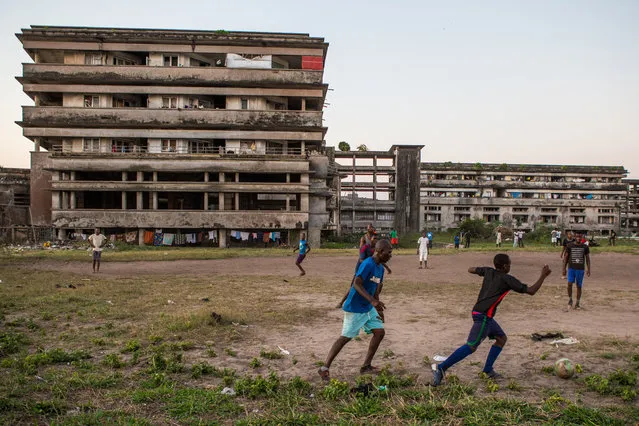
{"x":492,"y":374}
{"x":438,"y":376}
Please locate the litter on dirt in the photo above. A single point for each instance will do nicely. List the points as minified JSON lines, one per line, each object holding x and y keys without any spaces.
{"x":440,"y":358}
{"x":539,"y":337}
{"x":228,"y":391}
{"x":566,"y":341}
{"x":284,"y":351}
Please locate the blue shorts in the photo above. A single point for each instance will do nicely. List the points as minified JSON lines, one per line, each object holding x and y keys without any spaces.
{"x":97,"y":255}
{"x":576,"y":276}
{"x":355,"y":321}
{"x":483,"y":327}
{"x":300,"y":258}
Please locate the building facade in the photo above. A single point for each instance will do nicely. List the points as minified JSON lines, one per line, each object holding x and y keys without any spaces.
{"x":14,"y":198}
{"x":379,"y":187}
{"x":185,"y":131}
{"x":630,"y":211}
{"x":588,"y":198}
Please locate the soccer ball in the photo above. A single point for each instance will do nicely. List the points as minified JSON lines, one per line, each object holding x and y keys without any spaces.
{"x":564,"y":368}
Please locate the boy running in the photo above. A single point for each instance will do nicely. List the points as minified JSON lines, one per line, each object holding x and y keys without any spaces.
{"x":97,"y":240}
{"x":304,"y":249}
{"x":361,"y":309}
{"x":576,"y":257}
{"x":497,"y":283}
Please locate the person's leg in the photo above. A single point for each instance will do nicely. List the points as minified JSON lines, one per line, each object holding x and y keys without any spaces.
{"x":298,"y":263}
{"x":579,"y":280}
{"x":378,"y":336}
{"x":476,"y":335}
{"x":335,"y":349}
{"x":98,"y":265}
{"x":494,"y":330}
{"x":570,"y":279}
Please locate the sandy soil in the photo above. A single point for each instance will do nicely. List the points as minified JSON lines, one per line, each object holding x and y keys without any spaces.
{"x":435,"y":317}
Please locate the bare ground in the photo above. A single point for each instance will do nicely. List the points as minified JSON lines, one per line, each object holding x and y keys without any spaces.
{"x":428,"y":312}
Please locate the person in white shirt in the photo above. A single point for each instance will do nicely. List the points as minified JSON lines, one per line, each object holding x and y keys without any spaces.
{"x":97,"y":240}
{"x":422,"y":250}
{"x":498,"y":240}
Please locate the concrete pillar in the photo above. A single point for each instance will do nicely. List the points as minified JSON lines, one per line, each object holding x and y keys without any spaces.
{"x":123,"y":200}
{"x":304,"y":203}
{"x":65,"y":200}
{"x":72,"y":175}
{"x":139,"y":203}
{"x":36,"y":145}
{"x":55,"y":200}
{"x":303,"y":147}
{"x":237,"y":201}
{"x":288,"y":202}
{"x":206,"y":200}
{"x":288,"y":178}
{"x":206,"y":176}
{"x":141,"y":237}
{"x":72,"y":200}
{"x":140,"y":176}
{"x":155,"y":176}
{"x":220,"y":195}
{"x":222,"y":235}
{"x":155,"y":200}
{"x":303,"y":104}
{"x":61,"y":234}
{"x":123,"y":176}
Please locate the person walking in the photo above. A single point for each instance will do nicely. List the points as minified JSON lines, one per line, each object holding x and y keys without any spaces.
{"x":97,"y":241}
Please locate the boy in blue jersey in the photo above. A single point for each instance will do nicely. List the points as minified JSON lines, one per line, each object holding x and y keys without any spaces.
{"x":497,"y":283}
{"x":361,"y":309}
{"x":304,"y":248}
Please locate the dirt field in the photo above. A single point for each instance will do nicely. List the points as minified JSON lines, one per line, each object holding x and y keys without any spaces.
{"x":428,"y":312}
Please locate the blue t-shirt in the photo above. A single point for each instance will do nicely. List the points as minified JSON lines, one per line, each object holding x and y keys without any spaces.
{"x":430,"y":236}
{"x":303,"y":247}
{"x":372,"y":275}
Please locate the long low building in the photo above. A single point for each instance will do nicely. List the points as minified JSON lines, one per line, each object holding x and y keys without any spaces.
{"x":523,"y":195}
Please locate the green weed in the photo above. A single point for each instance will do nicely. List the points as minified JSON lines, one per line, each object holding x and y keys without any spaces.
{"x":270,"y":355}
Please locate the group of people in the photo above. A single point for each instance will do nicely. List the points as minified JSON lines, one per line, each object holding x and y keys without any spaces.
{"x":363,"y":309}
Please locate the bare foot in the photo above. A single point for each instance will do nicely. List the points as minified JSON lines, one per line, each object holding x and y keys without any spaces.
{"x":302,"y":274}
{"x":324,"y":374}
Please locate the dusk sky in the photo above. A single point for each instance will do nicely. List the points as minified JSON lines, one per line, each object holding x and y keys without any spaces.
{"x":543,"y":82}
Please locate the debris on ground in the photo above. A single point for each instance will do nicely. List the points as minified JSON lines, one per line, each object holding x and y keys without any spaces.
{"x":440,"y":358}
{"x":566,"y":341}
{"x":228,"y":391}
{"x":205,"y":299}
{"x":539,"y":337}
{"x":170,"y":302}
{"x":216,"y":317}
{"x":284,"y":351}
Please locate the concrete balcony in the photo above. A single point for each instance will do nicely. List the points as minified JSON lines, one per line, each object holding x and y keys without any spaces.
{"x":242,"y":219}
{"x":168,"y":76}
{"x":131,"y":186}
{"x":517,"y":202}
{"x":169,"y":118}
{"x":523,"y":185}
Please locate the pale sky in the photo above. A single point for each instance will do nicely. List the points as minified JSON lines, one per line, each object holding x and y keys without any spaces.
{"x":538,"y":81}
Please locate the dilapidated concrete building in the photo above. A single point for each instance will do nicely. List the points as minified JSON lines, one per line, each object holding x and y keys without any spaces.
{"x":14,"y":198}
{"x":380,"y":187}
{"x":588,"y":198}
{"x":630,"y":209}
{"x":178,"y":130}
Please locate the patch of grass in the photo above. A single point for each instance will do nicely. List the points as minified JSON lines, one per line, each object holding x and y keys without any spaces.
{"x":253,"y":387}
{"x":619,"y":383}
{"x":455,"y":389}
{"x":335,"y":390}
{"x":388,"y":353}
{"x":270,"y":355}
{"x":230,"y":352}
{"x":514,"y":386}
{"x":200,"y":369}
{"x":608,"y":355}
{"x":113,"y":361}
{"x":211,"y":353}
{"x":364,"y":407}
{"x":255,"y":363}
{"x":188,"y":403}
{"x":424,"y":412}
{"x":131,"y":346}
{"x":577,"y":415}
{"x":11,"y":343}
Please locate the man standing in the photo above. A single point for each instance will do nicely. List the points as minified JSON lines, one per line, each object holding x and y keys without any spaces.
{"x":361,"y":309}
{"x":613,"y":238}
{"x":577,"y":258}
{"x":498,"y":240}
{"x":368,"y":236}
{"x":467,"y":238}
{"x":430,"y":240}
{"x":422,"y":250}
{"x":496,"y":285}
{"x":304,"y":248}
{"x":393,"y":237}
{"x":569,"y":239}
{"x":97,"y":240}
{"x":553,"y":237}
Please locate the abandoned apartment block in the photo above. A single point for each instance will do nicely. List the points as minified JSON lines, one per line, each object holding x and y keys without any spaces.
{"x":184,"y":131}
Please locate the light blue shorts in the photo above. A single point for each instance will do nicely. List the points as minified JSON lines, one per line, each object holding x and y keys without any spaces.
{"x":355,"y":321}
